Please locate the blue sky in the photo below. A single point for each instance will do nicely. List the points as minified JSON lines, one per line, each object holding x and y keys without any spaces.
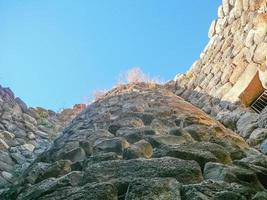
{"x":55,"y":53}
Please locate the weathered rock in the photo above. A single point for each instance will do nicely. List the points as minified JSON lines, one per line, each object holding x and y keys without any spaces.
{"x":5,"y":135}
{"x":183,"y":171}
{"x":257,"y":136}
{"x":67,"y":188}
{"x":156,"y":188}
{"x":259,"y":168}
{"x":141,"y":149}
{"x":90,"y":191}
{"x":133,"y":135}
{"x":231,"y":174}
{"x":3,"y":145}
{"x":28,"y":147}
{"x":260,"y":53}
{"x":201,"y":152}
{"x":186,"y":153}
{"x":169,"y":140}
{"x":260,"y":196}
{"x":116,"y":145}
{"x":111,"y":145}
{"x":56,"y":169}
{"x":247,"y":124}
{"x":263,"y":147}
{"x":210,"y":189}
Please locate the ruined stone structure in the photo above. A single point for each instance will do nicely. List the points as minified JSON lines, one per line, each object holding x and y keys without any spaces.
{"x":143,"y":141}
{"x":25,"y":133}
{"x":231,"y":72}
{"x":232,"y":67}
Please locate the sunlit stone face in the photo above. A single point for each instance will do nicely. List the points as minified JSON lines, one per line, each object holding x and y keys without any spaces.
{"x":263,"y":75}
{"x":262,"y":6}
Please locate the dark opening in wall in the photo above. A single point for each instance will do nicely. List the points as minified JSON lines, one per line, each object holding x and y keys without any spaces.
{"x":260,"y":103}
{"x":254,"y":95}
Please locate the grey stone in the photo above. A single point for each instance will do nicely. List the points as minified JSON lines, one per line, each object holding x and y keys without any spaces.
{"x":220,"y":172}
{"x":263,"y":147}
{"x":155,"y":188}
{"x":140,"y":149}
{"x":183,"y":171}
{"x":217,"y":190}
{"x":116,"y":145}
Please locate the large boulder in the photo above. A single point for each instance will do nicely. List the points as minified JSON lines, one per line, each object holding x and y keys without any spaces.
{"x":217,"y":190}
{"x":232,"y":174}
{"x":156,"y":188}
{"x":184,"y":171}
{"x":140,"y":149}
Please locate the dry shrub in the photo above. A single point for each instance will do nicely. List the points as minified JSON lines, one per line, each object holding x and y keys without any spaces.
{"x":136,"y":75}
{"x":98,"y":94}
{"x":131,"y":76}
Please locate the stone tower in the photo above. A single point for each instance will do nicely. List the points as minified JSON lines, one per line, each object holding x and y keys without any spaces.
{"x":232,"y":66}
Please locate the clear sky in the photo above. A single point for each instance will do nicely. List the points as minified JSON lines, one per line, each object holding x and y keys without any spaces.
{"x":54,"y":53}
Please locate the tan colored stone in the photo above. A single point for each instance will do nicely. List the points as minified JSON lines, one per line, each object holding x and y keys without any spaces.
{"x":232,"y":2}
{"x":250,"y":38}
{"x":223,"y":90}
{"x":239,"y":69}
{"x":245,"y":4}
{"x":6,"y":135}
{"x":227,"y":43}
{"x":226,"y":31}
{"x":226,"y":74}
{"x":3,"y":145}
{"x":227,"y":53}
{"x":237,"y":50}
{"x":217,"y":57}
{"x":242,"y":83}
{"x":220,"y":12}
{"x":191,"y":83}
{"x":220,"y":25}
{"x":260,"y":53}
{"x":244,"y":19}
{"x":249,"y":53}
{"x":248,"y":27}
{"x":263,"y":74}
{"x":238,"y":8}
{"x":212,"y":29}
{"x":214,"y":81}
{"x":235,"y":26}
{"x":261,"y":28}
{"x":28,"y":147}
{"x":196,"y":67}
{"x":225,"y":7}
{"x":205,"y":83}
{"x":239,"y":57}
{"x":231,"y":16}
{"x":207,"y":69}
{"x":256,"y":4}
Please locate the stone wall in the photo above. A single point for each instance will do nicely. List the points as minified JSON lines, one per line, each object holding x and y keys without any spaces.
{"x":236,"y":51}
{"x":140,"y":141}
{"x":231,"y":71}
{"x":26,"y":132}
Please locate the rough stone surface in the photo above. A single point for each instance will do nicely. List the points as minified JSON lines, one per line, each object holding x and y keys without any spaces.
{"x":235,"y":54}
{"x":146,"y":150}
{"x":143,"y":141}
{"x":157,"y":188}
{"x":24,"y":134}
